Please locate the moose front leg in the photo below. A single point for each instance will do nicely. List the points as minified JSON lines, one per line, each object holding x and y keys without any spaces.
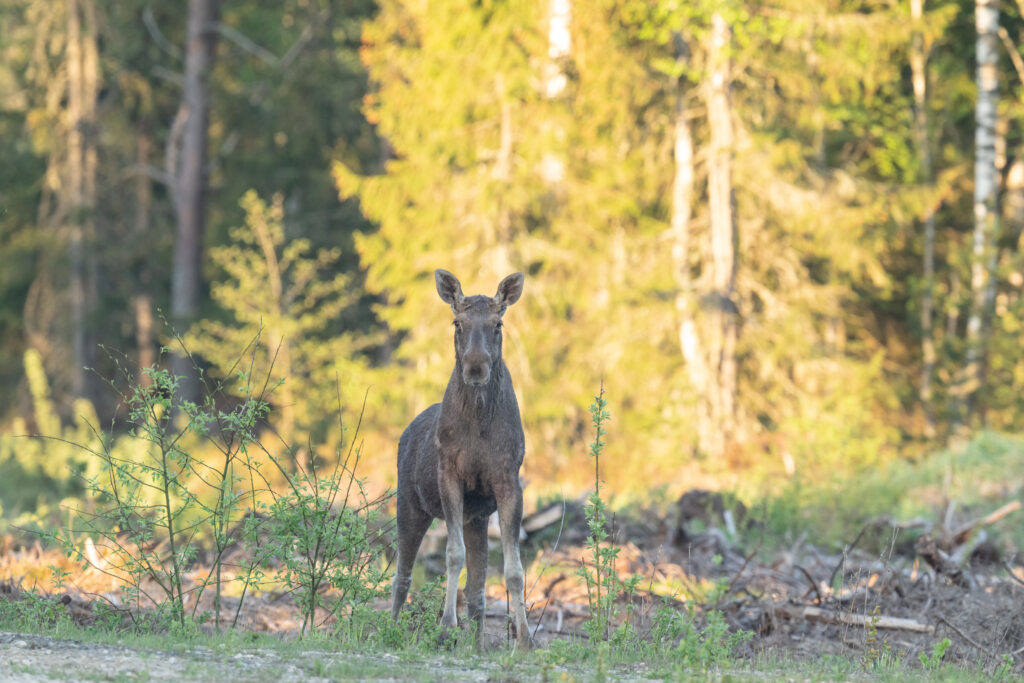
{"x":455,"y":553}
{"x":510,"y":517}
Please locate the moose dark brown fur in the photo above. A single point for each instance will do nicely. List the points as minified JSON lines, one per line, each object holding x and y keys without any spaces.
{"x":459,"y":461}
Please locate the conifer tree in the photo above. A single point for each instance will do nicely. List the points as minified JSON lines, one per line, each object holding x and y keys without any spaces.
{"x":282,"y":299}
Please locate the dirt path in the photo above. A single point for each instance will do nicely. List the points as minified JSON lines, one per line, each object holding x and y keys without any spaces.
{"x":26,"y":657}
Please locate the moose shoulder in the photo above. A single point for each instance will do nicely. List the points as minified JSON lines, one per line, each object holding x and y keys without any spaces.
{"x":459,"y":460}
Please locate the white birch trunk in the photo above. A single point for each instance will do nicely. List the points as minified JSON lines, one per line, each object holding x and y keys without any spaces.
{"x":552,"y":167}
{"x":690,"y":343}
{"x":559,"y":46}
{"x":983,"y":241}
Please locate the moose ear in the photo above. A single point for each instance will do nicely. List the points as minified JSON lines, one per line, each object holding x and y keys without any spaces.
{"x":448,"y":287}
{"x":509,"y":291}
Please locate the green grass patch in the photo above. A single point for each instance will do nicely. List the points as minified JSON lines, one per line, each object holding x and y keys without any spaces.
{"x":979,"y":477}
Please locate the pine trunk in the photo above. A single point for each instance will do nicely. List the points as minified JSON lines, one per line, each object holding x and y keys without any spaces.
{"x":142,"y":302}
{"x":190,"y":178}
{"x":76,"y":192}
{"x":987,"y":23}
{"x":80,"y":197}
{"x":90,"y":177}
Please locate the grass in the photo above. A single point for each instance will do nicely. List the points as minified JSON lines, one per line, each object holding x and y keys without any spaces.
{"x":267,"y":657}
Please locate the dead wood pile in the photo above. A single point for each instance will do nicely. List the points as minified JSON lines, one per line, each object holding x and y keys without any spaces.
{"x":952,"y":581}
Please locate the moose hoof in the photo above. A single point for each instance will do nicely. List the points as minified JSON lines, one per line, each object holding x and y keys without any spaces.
{"x":524,"y":641}
{"x":448,"y":637}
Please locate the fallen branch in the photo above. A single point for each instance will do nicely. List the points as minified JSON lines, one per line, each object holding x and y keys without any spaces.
{"x":943,"y":620}
{"x":961,"y":534}
{"x":1012,"y":573}
{"x":544,"y":518}
{"x":736,"y":576}
{"x":810,"y":580}
{"x":832,"y":617}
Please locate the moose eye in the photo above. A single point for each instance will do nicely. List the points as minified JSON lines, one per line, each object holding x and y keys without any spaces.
{"x":458,"y":325}
{"x":497,"y":326}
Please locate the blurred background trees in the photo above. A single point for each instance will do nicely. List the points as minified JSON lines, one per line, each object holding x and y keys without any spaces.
{"x":755,"y":220}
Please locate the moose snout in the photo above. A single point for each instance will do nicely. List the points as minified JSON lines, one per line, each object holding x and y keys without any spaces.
{"x":476,"y":369}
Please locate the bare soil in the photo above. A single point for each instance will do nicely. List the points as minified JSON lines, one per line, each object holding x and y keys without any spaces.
{"x":25,"y":657}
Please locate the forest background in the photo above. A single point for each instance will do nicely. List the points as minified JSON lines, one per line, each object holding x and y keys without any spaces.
{"x":786,"y":235}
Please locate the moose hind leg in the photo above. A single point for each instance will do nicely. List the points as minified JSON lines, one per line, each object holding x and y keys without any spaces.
{"x":412,"y":525}
{"x":510,"y":517}
{"x":475,"y":533}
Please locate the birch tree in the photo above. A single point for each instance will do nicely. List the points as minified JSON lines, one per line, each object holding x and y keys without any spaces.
{"x":555,"y":79}
{"x":985,"y":216}
{"x":679,"y":227}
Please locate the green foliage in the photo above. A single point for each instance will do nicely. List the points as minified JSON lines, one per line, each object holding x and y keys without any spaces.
{"x":675,"y":641}
{"x":1004,"y":671}
{"x":285,"y":296}
{"x":819,"y":224}
{"x":286,"y":84}
{"x":62,"y":457}
{"x":705,"y":648}
{"x":43,"y":471}
{"x":323,"y":533}
{"x":151,"y":506}
{"x":934,"y":661}
{"x":878,"y":654}
{"x":417,"y":628}
{"x":32,"y":609}
{"x":602,"y":576}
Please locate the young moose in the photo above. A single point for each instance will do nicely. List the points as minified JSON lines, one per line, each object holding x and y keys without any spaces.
{"x":459,"y":461}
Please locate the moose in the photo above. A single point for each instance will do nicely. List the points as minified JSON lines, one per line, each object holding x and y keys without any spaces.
{"x":459,"y":461}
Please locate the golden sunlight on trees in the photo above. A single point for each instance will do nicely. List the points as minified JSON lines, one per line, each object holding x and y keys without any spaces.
{"x":787,"y":235}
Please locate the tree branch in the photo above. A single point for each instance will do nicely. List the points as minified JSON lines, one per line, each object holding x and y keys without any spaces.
{"x":157,"y":35}
{"x":1018,"y":63}
{"x":247,"y":44}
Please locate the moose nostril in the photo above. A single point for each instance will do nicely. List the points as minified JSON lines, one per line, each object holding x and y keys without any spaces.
{"x":476,"y":374}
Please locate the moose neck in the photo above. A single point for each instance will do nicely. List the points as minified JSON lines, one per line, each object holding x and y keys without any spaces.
{"x":474,"y":400}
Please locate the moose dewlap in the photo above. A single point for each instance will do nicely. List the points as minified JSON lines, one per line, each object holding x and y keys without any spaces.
{"x":459,"y":461}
